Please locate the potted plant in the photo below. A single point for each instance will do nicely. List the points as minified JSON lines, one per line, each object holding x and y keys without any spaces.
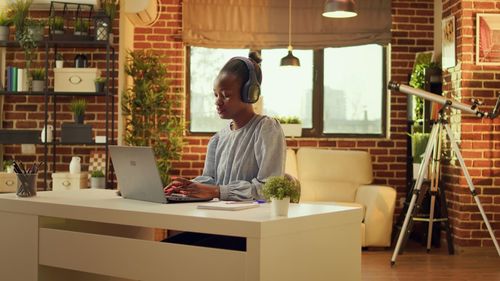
{"x":8,"y":166}
{"x":57,"y":25}
{"x":97,"y":179}
{"x":146,"y":102}
{"x":281,"y":190}
{"x":419,"y":143}
{"x":18,"y":13}
{"x":37,"y":79}
{"x":110,"y":7}
{"x":35,"y":27}
{"x":5,"y":22}
{"x":81,"y":27}
{"x":59,"y":60}
{"x":100,"y":82}
{"x":291,"y":126}
{"x":78,"y":107}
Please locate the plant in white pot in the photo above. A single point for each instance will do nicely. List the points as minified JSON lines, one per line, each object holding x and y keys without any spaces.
{"x":5,"y":22}
{"x":97,"y":179}
{"x":291,"y":126}
{"x":59,"y":60}
{"x":8,"y":166}
{"x":281,"y":190}
{"x":38,"y":79}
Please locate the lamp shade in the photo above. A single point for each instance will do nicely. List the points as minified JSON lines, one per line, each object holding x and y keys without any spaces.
{"x":290,"y":60}
{"x":340,"y":9}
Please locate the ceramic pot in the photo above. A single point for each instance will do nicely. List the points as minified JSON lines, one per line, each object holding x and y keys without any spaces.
{"x":37,"y":85}
{"x":99,"y":182}
{"x":50,"y":133}
{"x":280,"y":207}
{"x":59,"y":63}
{"x":4,"y":33}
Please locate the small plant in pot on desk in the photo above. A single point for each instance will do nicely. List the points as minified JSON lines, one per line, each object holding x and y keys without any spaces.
{"x":78,"y":107}
{"x":100,"y":83}
{"x":281,"y":191}
{"x":38,"y":79}
{"x":5,"y":22}
{"x":97,"y":179}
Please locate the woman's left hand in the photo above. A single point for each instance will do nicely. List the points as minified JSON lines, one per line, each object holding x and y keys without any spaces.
{"x":200,"y":190}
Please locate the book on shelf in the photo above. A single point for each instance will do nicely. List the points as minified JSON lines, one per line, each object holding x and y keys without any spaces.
{"x":17,"y":79}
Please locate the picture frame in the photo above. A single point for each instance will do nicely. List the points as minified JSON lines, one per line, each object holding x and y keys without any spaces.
{"x":448,"y":42}
{"x":487,"y":36}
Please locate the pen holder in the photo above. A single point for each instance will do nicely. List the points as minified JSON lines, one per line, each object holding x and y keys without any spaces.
{"x":26,"y":185}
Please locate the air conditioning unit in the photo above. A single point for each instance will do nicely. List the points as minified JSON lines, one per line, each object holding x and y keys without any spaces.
{"x":141,"y":12}
{"x":44,"y":5}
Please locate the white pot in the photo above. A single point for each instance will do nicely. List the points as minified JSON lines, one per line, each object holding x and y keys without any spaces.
{"x":59,"y":63}
{"x":75,"y":166}
{"x":4,"y":33}
{"x":50,"y":133}
{"x":280,"y":207}
{"x":9,"y":169}
{"x":99,"y":182}
{"x":292,"y":130}
{"x":37,"y":85}
{"x":416,"y":167}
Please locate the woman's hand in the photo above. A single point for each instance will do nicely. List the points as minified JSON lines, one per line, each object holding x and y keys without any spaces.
{"x":200,"y":190}
{"x":176,"y":186}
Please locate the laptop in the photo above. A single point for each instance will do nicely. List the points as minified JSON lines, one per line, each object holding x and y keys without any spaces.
{"x":139,"y":178}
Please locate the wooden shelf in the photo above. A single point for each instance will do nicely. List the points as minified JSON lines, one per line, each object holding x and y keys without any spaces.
{"x":51,"y":92}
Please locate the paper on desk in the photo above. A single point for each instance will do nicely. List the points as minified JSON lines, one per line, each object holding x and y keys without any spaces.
{"x":228,"y":205}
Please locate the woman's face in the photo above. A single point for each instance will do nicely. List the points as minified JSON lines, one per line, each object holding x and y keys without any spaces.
{"x":227,"y":95}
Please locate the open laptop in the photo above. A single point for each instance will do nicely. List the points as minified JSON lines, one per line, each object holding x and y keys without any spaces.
{"x":138,"y":175}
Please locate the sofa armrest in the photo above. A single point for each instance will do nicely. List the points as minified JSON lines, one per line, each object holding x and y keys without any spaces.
{"x":379,"y":202}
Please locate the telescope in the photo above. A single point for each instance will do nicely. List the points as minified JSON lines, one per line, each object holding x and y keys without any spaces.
{"x":472,"y":109}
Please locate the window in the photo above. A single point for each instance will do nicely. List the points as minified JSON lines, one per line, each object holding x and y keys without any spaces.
{"x":348,"y":97}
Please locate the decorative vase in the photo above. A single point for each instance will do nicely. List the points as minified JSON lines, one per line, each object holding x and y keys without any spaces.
{"x":59,"y":63}
{"x":4,"y":33}
{"x":50,"y":133}
{"x":97,"y":182}
{"x":280,"y":207}
{"x":37,"y":85}
{"x":75,"y":165}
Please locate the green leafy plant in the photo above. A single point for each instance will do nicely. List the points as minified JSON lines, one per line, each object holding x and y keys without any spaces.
{"x":58,"y":23}
{"x":288,"y":119}
{"x":419,"y":143}
{"x":38,"y":74}
{"x":78,"y":106}
{"x":417,"y":80}
{"x":59,"y":56}
{"x":110,"y":7}
{"x":81,"y":25}
{"x":18,"y":11}
{"x":100,"y":80}
{"x":97,"y":174}
{"x":148,"y":109}
{"x":280,"y":187}
{"x":7,"y":163}
{"x":5,"y":19}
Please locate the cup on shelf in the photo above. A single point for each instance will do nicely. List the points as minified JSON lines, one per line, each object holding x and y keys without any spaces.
{"x":26,"y":185}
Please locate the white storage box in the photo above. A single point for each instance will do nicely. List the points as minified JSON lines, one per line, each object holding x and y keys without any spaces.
{"x":67,"y":181}
{"x":8,"y":182}
{"x":75,"y":79}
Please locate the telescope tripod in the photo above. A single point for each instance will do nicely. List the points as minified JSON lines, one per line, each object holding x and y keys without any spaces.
{"x":433,"y":149}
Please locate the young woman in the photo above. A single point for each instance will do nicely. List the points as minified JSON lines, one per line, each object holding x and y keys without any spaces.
{"x":250,"y":149}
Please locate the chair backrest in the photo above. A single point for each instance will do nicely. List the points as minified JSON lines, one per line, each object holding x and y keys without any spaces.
{"x":291,"y":163}
{"x":332,"y":175}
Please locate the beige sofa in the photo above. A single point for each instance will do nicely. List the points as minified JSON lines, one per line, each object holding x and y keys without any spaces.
{"x":345,"y":177}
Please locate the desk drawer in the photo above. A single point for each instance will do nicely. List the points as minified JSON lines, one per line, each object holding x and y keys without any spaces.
{"x":8,"y":182}
{"x":137,"y":259}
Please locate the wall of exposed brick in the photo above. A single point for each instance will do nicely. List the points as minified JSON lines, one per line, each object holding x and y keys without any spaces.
{"x":480,"y":139}
{"x":27,"y":112}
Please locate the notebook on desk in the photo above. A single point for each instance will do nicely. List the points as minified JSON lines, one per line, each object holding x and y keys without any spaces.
{"x":138,"y":176}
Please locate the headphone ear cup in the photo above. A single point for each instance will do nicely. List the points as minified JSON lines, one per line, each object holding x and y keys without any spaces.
{"x":254,"y":93}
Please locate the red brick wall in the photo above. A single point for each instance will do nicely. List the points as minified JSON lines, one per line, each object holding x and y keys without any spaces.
{"x":480,"y":139}
{"x":27,"y":112}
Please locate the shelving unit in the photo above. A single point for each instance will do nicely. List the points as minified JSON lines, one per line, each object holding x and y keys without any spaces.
{"x":54,"y":46}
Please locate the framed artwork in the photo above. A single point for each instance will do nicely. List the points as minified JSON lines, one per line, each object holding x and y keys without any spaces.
{"x":448,"y":42}
{"x":488,"y":39}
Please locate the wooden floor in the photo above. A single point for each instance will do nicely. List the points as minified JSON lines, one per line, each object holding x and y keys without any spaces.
{"x":417,"y":265}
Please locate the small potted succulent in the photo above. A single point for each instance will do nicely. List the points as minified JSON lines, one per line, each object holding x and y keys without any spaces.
{"x":8,"y":166}
{"x":291,"y":126}
{"x":81,"y":27}
{"x":5,"y":22}
{"x":78,"y":107}
{"x":97,"y":179}
{"x":59,"y":60}
{"x":37,"y":79}
{"x":100,"y":83}
{"x":281,"y":190}
{"x":57,"y":25}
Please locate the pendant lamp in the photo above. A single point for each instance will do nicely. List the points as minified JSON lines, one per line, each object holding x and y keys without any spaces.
{"x":290,"y":59}
{"x":340,"y":9}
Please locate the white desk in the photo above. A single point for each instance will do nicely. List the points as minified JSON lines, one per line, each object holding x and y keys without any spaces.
{"x":59,"y":235}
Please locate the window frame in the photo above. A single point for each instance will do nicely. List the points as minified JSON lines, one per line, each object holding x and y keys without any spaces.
{"x":317,"y":100}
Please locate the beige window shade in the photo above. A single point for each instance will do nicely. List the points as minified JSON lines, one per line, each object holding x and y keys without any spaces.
{"x":264,"y":24}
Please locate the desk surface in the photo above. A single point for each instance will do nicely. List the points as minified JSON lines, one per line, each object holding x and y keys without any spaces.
{"x":105,"y":206}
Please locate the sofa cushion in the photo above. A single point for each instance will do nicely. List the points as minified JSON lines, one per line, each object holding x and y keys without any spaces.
{"x":316,"y":190}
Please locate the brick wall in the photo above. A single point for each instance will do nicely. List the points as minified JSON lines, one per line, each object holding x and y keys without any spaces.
{"x":412,"y":32}
{"x":480,"y":139}
{"x":27,"y":112}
